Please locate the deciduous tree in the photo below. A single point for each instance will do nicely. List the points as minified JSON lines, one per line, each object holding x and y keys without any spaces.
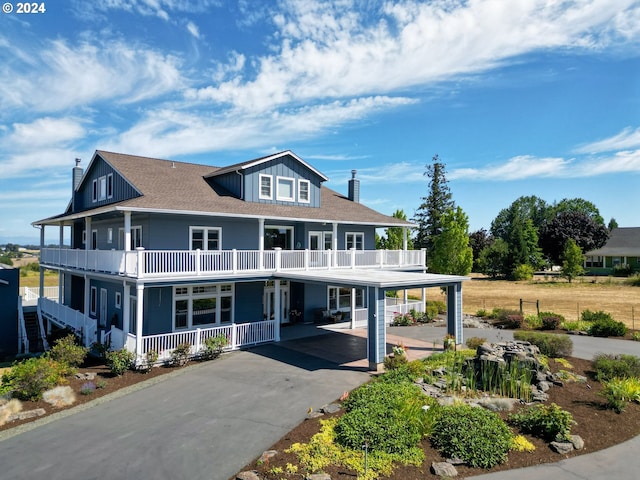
{"x":394,"y":236}
{"x":451,"y":251}
{"x":579,"y":226}
{"x":572,"y":260}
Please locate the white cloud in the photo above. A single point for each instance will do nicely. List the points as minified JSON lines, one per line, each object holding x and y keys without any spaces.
{"x":193,"y":29}
{"x":327,"y":50}
{"x":34,"y":163}
{"x":43,"y":132}
{"x":516,"y":168}
{"x":620,"y":162}
{"x":84,"y":74}
{"x":157,"y":8}
{"x":627,"y":138}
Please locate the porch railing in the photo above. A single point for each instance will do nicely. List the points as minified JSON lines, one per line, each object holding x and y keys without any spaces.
{"x":393,"y":307}
{"x":63,"y":316}
{"x":23,"y":339}
{"x":238,"y":335}
{"x":30,"y":295}
{"x":159,"y":263}
{"x":360,"y":318}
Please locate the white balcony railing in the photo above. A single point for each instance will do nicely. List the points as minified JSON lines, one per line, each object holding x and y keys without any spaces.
{"x":63,"y":316}
{"x":161,"y":263}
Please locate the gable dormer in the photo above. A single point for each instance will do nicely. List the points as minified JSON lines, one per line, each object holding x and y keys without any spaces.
{"x":281,"y":179}
{"x":100,"y":185}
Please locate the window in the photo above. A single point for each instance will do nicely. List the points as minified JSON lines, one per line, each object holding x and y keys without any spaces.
{"x":354,"y":240}
{"x":109,"y":235}
{"x":136,"y":238}
{"x":110,"y":185}
{"x":118,"y":300}
{"x":205,"y":238}
{"x":102,"y":188}
{"x":94,"y":196}
{"x":266,"y":192}
{"x":340,"y":298}
{"x":304,"y":194}
{"x":200,"y":305}
{"x":93,"y":300}
{"x":285,"y":189}
{"x":94,"y":239}
{"x":320,"y":240}
{"x":84,"y":237}
{"x":281,"y":237}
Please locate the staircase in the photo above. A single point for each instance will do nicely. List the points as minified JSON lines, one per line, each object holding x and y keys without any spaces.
{"x":33,"y":331}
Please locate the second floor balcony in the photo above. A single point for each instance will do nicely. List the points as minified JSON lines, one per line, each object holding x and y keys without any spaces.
{"x":143,"y":263}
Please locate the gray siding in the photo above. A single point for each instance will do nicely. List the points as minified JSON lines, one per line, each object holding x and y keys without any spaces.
{"x":9,"y":311}
{"x":158,"y":307}
{"x":315,"y":297}
{"x":248,"y":302}
{"x":122,"y":190}
{"x":282,"y":167}
{"x":231,"y":182}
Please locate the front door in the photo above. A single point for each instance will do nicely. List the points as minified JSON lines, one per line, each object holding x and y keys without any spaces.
{"x":269,"y":302}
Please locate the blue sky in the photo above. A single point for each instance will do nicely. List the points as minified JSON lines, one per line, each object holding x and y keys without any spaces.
{"x":527,"y":97}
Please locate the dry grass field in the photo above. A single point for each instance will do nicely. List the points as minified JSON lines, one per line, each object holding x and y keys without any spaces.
{"x":553,"y":294}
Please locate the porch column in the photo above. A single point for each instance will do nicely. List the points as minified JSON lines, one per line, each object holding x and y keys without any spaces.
{"x":127,"y":231}
{"x":405,"y":242}
{"x":60,"y":274}
{"x":353,"y":308}
{"x":126,"y":310}
{"x":276,"y":307}
{"x":139,"y":313}
{"x":87,"y":296}
{"x":261,"y":241}
{"x":454,"y":311}
{"x":334,"y":245}
{"x":41,"y":284}
{"x":87,"y":233}
{"x":376,"y":330}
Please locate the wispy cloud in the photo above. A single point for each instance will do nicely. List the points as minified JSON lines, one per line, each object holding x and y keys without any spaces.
{"x":516,"y":168}
{"x":43,"y":132}
{"x":626,"y":139}
{"x":193,"y":29}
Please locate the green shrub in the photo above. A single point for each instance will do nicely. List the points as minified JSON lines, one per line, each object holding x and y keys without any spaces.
{"x":549,"y":422}
{"x":430,"y":313}
{"x":473,"y":434}
{"x":532,"y":322}
{"x":213,"y":347}
{"x":150,"y":359}
{"x":180,"y":355}
{"x":475,"y":342}
{"x":523,"y":272}
{"x":482,"y":313}
{"x":633,"y":280}
{"x":609,"y":366}
{"x":388,"y":415}
{"x":607,"y":328}
{"x":67,"y":351}
{"x":549,"y":344}
{"x":439,"y":305}
{"x":575,"y":326}
{"x":403,"y":320}
{"x":119,"y":361}
{"x":589,"y":316}
{"x":508,"y":318}
{"x":620,"y":391}
{"x":394,"y":361}
{"x":635,"y":336}
{"x":30,"y":378}
{"x":407,"y":372}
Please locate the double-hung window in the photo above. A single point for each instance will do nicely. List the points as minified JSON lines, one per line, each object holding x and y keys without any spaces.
{"x":198,"y":305}
{"x":266,"y":187}
{"x":101,"y":188}
{"x":304,"y":191}
{"x":354,"y":240}
{"x":205,"y":238}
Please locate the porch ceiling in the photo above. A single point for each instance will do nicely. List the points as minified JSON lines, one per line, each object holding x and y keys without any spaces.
{"x":385,"y":279}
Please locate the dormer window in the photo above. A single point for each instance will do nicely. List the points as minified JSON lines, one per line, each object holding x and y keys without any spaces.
{"x":285,"y":190}
{"x":100,"y":189}
{"x":266,"y":189}
{"x":303,"y":191}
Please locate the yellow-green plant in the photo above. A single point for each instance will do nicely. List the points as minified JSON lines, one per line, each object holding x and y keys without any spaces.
{"x":620,"y":391}
{"x":520,"y":444}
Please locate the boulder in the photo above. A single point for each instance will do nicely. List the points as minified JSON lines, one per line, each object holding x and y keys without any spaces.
{"x":248,"y":475}
{"x":561,"y":447}
{"x":318,"y":476}
{"x":443,"y":469}
{"x":266,"y":455}
{"x":577,"y":442}
{"x":331,"y":408}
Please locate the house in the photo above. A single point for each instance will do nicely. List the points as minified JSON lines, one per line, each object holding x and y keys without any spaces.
{"x":622,"y":249}
{"x":9,"y":281}
{"x":166,"y":252}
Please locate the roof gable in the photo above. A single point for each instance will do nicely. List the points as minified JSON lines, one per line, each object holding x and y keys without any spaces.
{"x":624,"y":241}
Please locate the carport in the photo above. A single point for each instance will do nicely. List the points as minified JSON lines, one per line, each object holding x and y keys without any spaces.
{"x":377,"y":282}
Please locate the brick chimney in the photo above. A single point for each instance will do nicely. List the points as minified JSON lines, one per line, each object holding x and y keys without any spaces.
{"x":354,"y":187}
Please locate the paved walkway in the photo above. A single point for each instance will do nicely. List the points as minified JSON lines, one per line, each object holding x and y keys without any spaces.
{"x":214,"y":418}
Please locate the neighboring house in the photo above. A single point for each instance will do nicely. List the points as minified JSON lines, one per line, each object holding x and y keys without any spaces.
{"x":165,"y":252}
{"x":9,"y":282}
{"x":622,"y":249}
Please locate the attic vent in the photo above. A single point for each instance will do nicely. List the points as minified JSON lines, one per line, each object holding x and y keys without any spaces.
{"x":173,"y":164}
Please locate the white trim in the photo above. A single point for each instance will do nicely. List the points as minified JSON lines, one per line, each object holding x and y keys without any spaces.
{"x":308,"y":183}
{"x":261,"y":196}
{"x":110,"y":235}
{"x":121,"y":241}
{"x":323,"y":234}
{"x":290,"y":180}
{"x":205,"y":237}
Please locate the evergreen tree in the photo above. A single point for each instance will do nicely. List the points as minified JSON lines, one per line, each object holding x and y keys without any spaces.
{"x":613,"y":223}
{"x":523,"y":245}
{"x":572,"y":260}
{"x":451,"y":251}
{"x":494,"y":259}
{"x":433,"y":207}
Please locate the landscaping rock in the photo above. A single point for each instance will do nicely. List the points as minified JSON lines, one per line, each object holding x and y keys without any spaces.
{"x":443,"y":469}
{"x":577,"y":442}
{"x":331,"y":408}
{"x":38,"y":412}
{"x":248,"y":475}
{"x":266,"y":455}
{"x":85,"y":376}
{"x":544,"y":386}
{"x":455,"y":461}
{"x":318,"y":476}
{"x":315,"y":414}
{"x":561,"y":447}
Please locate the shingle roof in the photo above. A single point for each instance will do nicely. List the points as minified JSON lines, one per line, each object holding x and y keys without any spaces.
{"x":624,"y":241}
{"x":168,"y":185}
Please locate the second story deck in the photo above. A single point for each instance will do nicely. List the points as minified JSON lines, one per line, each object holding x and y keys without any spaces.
{"x":155,"y":264}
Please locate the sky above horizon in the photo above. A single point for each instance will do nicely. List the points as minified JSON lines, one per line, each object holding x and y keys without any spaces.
{"x":531,"y":97}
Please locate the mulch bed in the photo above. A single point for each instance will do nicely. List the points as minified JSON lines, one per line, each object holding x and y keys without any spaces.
{"x":599,"y":427}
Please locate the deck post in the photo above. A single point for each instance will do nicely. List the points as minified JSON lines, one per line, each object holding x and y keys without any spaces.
{"x":276,"y":307}
{"x":140,"y":261}
{"x":376,"y":329}
{"x":126,"y":311}
{"x":139,"y":315}
{"x":454,"y":312}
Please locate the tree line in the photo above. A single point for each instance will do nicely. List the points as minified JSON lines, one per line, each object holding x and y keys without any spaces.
{"x":527,"y":236}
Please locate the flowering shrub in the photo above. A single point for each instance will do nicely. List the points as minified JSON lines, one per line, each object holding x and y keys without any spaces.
{"x":403,"y":320}
{"x":88,"y":388}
